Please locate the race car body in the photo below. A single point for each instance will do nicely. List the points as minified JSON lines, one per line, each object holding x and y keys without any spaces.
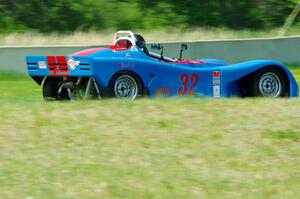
{"x":127,"y":69}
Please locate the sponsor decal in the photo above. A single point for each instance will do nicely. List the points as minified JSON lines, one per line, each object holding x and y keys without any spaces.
{"x":128,"y":55}
{"x":216,"y":84}
{"x":72,"y":63}
{"x":126,"y":65}
{"x":217,"y":91}
{"x":42,"y":65}
{"x":216,"y":74}
{"x":163,"y":91}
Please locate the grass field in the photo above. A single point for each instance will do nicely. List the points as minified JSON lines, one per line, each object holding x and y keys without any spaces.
{"x":105,"y":37}
{"x":148,"y":148}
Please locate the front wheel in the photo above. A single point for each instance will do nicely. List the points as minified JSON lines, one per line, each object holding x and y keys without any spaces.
{"x":269,"y":82}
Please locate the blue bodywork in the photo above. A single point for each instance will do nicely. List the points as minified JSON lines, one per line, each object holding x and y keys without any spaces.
{"x":201,"y":78}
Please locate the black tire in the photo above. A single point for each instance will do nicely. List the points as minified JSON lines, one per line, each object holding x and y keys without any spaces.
{"x":268,"y":82}
{"x":127,"y":76}
{"x":50,"y":86}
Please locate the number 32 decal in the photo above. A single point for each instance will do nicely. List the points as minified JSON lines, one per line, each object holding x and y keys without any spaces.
{"x":185,"y":79}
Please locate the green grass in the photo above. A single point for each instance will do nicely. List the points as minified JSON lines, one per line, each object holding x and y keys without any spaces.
{"x":148,"y":148}
{"x":291,"y":135}
{"x":296,"y":72}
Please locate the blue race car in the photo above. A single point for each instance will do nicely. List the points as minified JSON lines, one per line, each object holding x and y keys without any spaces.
{"x":127,"y":69}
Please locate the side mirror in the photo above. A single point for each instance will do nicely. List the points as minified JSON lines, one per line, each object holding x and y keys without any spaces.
{"x":183,"y":48}
{"x":156,"y":47}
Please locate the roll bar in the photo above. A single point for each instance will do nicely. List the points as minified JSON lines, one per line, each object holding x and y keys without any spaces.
{"x":130,"y":36}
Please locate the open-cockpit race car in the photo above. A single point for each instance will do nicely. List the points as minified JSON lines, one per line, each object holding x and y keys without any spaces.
{"x":127,"y":69}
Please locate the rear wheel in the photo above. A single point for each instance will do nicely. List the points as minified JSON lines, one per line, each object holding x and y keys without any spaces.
{"x":50,"y":86}
{"x":125,"y":85}
{"x":269,"y":82}
{"x":57,"y":89}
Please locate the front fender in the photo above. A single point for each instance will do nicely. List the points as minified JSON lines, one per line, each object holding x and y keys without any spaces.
{"x":233,"y":73}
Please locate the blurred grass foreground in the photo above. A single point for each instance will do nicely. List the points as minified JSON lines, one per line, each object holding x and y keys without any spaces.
{"x":149,"y":148}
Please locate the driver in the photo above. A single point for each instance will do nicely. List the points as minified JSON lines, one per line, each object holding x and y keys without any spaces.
{"x":141,"y":43}
{"x":123,"y":44}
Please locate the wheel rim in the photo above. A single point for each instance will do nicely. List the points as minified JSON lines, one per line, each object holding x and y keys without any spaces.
{"x":63,"y":93}
{"x":270,"y":85}
{"x":126,"y":87}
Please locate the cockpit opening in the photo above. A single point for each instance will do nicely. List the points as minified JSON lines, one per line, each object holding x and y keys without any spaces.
{"x":124,"y":40}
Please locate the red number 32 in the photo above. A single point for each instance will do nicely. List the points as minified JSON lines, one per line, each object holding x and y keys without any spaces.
{"x":184,"y":78}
